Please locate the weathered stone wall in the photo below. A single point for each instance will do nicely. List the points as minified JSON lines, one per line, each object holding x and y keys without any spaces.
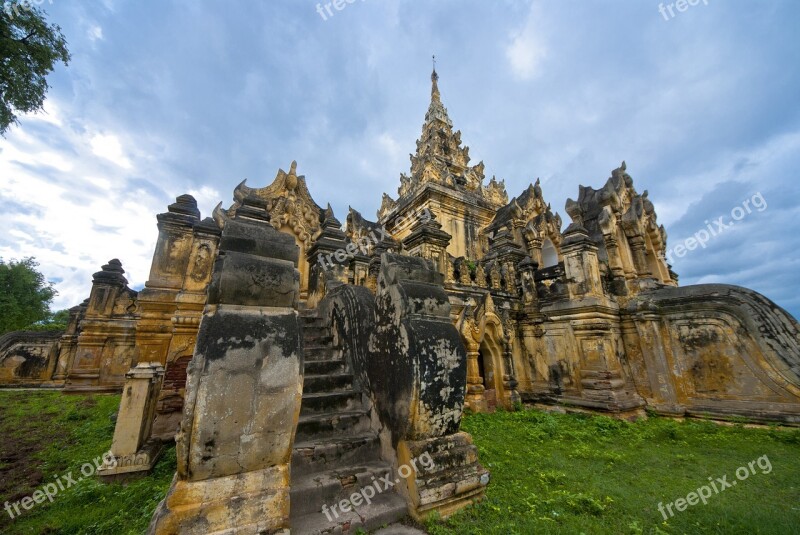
{"x":714,"y":350}
{"x":28,"y":358}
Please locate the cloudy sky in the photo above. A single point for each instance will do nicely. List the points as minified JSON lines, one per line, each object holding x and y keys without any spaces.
{"x":167,"y":97}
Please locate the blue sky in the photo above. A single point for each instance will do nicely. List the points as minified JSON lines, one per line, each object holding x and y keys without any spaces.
{"x":167,"y":97}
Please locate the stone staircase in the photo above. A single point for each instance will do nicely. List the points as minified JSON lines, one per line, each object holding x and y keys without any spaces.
{"x":335,"y":453}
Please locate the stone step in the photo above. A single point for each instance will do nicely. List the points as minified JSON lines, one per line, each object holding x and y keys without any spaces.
{"x":317,"y":337}
{"x":314,"y":325}
{"x":385,"y":508}
{"x":328,"y":382}
{"x":310,"y":492}
{"x":310,"y":319}
{"x":318,"y":352}
{"x":319,"y":426}
{"x":330,"y":402}
{"x":324,"y":367}
{"x":319,"y":454}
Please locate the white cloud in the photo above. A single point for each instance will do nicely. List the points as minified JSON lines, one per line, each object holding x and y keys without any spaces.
{"x":109,"y":147}
{"x":527,"y":50}
{"x":70,"y":210}
{"x":207,"y":198}
{"x":94,"y":33}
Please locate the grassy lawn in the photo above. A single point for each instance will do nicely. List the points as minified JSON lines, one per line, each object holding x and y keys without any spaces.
{"x":554,"y":473}
{"x":47,"y":435}
{"x":551,"y":473}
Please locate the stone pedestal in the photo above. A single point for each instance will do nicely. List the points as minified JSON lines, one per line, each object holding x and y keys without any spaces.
{"x":130,"y":452}
{"x":445,"y":474}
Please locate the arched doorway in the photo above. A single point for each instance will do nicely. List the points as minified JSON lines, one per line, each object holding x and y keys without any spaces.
{"x":490,"y":363}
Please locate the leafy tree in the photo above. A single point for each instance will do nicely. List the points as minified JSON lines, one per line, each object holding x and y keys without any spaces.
{"x":25,"y":295}
{"x":55,"y":321}
{"x":29,"y":49}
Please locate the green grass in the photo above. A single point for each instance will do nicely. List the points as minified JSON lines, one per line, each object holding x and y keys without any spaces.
{"x":554,"y":473}
{"x":48,"y":435}
{"x":551,"y":473}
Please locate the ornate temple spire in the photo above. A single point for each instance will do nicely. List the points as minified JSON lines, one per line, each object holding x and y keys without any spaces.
{"x":441,"y":158}
{"x":436,"y":111}
{"x":435,"y":96}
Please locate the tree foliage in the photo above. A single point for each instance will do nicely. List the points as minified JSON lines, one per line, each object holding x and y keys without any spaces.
{"x":55,"y":321}
{"x":29,"y":50}
{"x":25,"y":295}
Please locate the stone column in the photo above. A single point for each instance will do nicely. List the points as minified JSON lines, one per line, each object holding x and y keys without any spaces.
{"x":130,"y":450}
{"x":618,"y":285}
{"x":639,"y":256}
{"x":475,"y":399}
{"x":581,"y":264}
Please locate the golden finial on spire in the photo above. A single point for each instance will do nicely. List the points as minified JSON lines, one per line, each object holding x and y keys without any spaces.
{"x":434,"y":80}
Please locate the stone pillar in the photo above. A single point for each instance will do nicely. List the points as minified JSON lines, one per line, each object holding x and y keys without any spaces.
{"x":581,"y":264}
{"x":639,"y":256}
{"x":243,"y":392}
{"x":475,"y":399}
{"x":189,"y":304}
{"x":618,"y":286}
{"x":533,"y":243}
{"x":130,"y":450}
{"x":510,"y":382}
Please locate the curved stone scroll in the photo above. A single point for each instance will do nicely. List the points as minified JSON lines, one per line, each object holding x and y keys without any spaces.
{"x":715,"y":350}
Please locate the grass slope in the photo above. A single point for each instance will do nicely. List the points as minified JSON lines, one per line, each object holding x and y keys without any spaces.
{"x":45,"y":435}
{"x":554,"y":473}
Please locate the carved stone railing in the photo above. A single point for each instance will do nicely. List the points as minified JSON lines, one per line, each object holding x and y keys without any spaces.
{"x":410,"y":361}
{"x":493,"y":275}
{"x":243,"y":392}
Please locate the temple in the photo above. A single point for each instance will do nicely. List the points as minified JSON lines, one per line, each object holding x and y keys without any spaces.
{"x":296,"y":360}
